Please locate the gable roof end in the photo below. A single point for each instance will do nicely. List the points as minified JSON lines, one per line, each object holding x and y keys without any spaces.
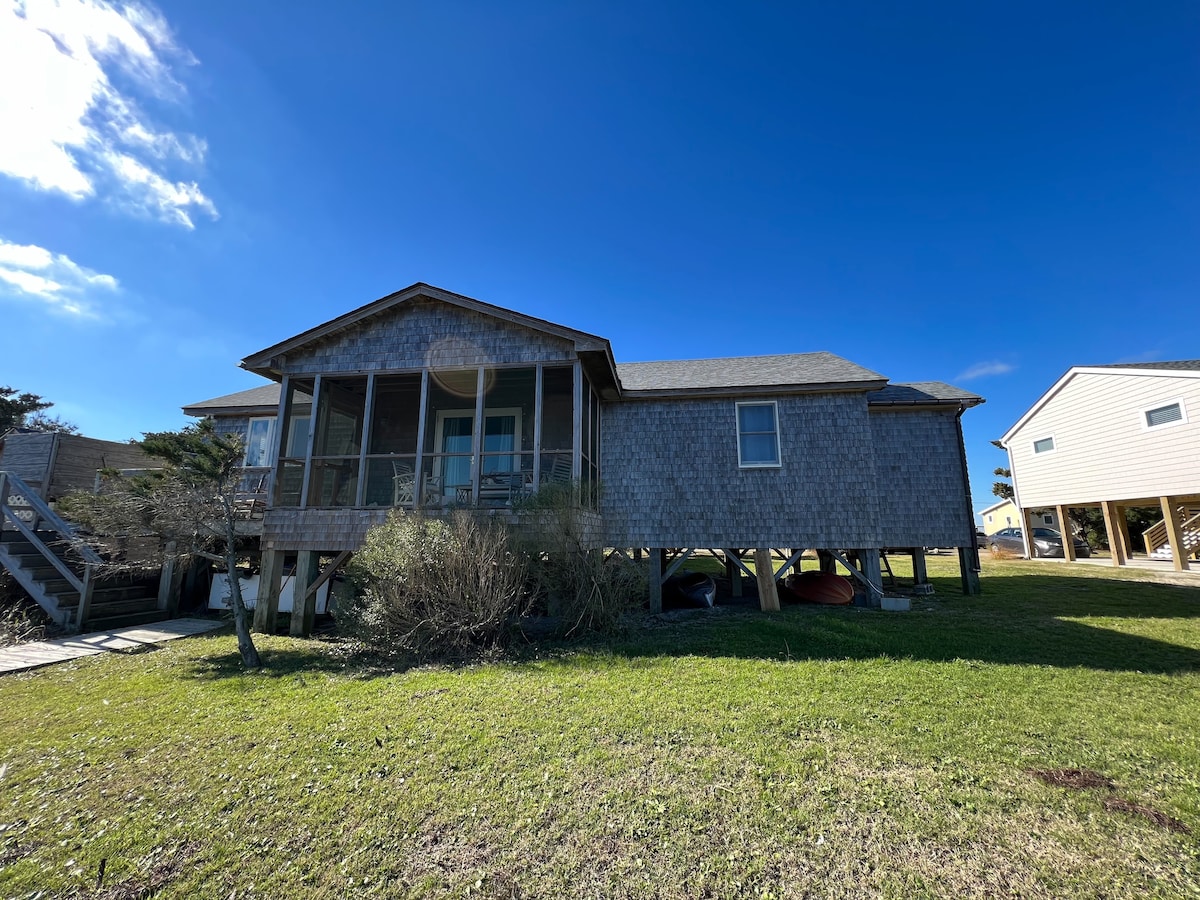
{"x":1180,"y":368}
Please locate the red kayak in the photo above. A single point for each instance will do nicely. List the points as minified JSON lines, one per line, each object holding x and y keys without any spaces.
{"x":820,"y":587}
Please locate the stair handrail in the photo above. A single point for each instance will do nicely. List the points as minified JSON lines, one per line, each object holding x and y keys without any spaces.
{"x":1155,"y":536}
{"x":8,"y":482}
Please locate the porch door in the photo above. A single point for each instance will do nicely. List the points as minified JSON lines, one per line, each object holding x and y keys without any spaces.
{"x":501,"y":435}
{"x":455,"y":431}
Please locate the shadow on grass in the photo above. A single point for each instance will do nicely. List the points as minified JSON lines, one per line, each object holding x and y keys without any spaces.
{"x":1019,"y":620}
{"x":326,"y":655}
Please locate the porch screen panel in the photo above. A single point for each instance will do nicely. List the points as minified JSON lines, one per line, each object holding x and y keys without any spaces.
{"x":449,"y":436}
{"x":293,"y":446}
{"x":392,"y":446}
{"x":341,"y":408}
{"x":509,"y":414}
{"x":558,"y":391}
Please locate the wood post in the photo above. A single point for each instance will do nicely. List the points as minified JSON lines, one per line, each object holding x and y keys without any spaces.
{"x":868,"y":561}
{"x":1123,"y":530}
{"x":270,"y":582}
{"x":734,"y":573}
{"x":768,"y":593}
{"x":920,"y":575}
{"x":1068,"y":536}
{"x":970,"y":574}
{"x":655,"y":579}
{"x":1027,"y":532}
{"x":304,"y":611}
{"x":1116,"y":542}
{"x":1179,"y":553}
{"x":168,"y":592}
{"x":85,"y":597}
{"x":826,"y":563}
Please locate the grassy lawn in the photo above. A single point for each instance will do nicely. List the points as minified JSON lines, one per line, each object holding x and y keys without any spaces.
{"x":815,"y":752}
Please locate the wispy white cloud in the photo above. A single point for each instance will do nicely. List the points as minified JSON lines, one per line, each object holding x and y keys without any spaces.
{"x":984,"y":369}
{"x":69,"y":128}
{"x":29,"y":272}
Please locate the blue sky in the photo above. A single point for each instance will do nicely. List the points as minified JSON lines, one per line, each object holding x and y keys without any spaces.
{"x":985,"y":194}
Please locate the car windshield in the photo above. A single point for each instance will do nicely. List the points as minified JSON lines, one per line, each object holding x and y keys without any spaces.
{"x":1045,"y":533}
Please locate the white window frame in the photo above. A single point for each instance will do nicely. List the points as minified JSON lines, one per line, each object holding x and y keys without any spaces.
{"x":1053,"y":445}
{"x":737,"y":422}
{"x":1182,"y":420}
{"x":270,"y":448}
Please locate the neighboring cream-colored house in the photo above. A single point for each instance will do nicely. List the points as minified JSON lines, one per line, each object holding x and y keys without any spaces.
{"x":1124,"y":435}
{"x":1006,"y":515}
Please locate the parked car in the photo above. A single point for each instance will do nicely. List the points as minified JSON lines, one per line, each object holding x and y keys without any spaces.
{"x":1046,"y":543}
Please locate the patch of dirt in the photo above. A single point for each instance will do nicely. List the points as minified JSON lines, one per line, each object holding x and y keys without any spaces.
{"x":1076,"y":779}
{"x":1162,"y":820}
{"x":155,"y":874}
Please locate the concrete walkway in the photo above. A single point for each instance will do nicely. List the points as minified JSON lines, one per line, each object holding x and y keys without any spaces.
{"x":45,"y":653}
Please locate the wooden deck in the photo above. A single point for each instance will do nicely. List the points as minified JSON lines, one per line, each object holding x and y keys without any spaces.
{"x":36,"y":654}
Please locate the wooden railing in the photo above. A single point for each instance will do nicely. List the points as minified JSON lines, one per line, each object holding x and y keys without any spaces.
{"x":22,"y":509}
{"x":1156,"y":537}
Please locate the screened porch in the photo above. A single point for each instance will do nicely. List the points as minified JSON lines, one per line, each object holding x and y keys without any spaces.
{"x":435,"y":438}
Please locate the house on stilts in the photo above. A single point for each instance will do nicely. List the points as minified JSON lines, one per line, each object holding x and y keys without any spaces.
{"x":430,"y":399}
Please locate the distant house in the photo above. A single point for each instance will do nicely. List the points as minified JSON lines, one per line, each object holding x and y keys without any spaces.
{"x":1116,"y":436}
{"x":430,"y":399}
{"x":1005,"y":514}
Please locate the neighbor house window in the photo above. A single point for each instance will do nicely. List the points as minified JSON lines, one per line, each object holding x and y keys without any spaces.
{"x":1170,"y":414}
{"x":1049,"y":520}
{"x":1045,"y":445}
{"x":758,"y":434}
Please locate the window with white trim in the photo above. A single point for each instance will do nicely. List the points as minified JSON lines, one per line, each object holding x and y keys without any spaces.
{"x":1161,"y":416}
{"x":1044,"y":445}
{"x":758,"y":435}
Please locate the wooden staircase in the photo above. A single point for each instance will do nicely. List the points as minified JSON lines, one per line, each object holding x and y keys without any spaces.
{"x":1159,"y":546}
{"x":63,"y":576}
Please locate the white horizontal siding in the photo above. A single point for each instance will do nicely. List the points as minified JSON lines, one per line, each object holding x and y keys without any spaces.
{"x":1102,"y":451}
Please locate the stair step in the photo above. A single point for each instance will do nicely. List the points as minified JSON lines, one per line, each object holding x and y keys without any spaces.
{"x":121,"y":607}
{"x":108,"y":623}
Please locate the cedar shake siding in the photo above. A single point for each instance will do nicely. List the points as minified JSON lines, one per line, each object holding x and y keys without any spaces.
{"x":921,"y":497}
{"x":427,"y":333}
{"x":670,"y":476}
{"x":862,"y":464}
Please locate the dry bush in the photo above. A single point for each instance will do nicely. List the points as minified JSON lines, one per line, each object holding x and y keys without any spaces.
{"x":436,"y":586}
{"x":571,"y":576}
{"x":21,"y":619}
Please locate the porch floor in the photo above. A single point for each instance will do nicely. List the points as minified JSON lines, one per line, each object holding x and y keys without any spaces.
{"x":44,"y":653}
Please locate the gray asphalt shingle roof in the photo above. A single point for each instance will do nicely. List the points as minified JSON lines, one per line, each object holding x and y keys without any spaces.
{"x":266,"y":395}
{"x":743,"y":371}
{"x":1178,"y":364}
{"x":921,"y":392}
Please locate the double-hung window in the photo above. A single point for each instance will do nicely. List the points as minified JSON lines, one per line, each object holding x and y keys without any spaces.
{"x":758,"y":435}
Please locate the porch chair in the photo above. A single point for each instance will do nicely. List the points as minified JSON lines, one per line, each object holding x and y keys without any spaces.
{"x":403,"y":484}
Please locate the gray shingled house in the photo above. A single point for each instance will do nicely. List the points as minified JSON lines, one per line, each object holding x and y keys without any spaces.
{"x":428,"y":398}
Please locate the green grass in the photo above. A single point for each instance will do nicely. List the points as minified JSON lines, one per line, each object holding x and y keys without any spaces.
{"x":816,"y":752}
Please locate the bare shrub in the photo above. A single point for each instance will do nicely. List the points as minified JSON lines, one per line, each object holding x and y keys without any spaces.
{"x":436,"y":586}
{"x":574,"y":580}
{"x":21,"y":619}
